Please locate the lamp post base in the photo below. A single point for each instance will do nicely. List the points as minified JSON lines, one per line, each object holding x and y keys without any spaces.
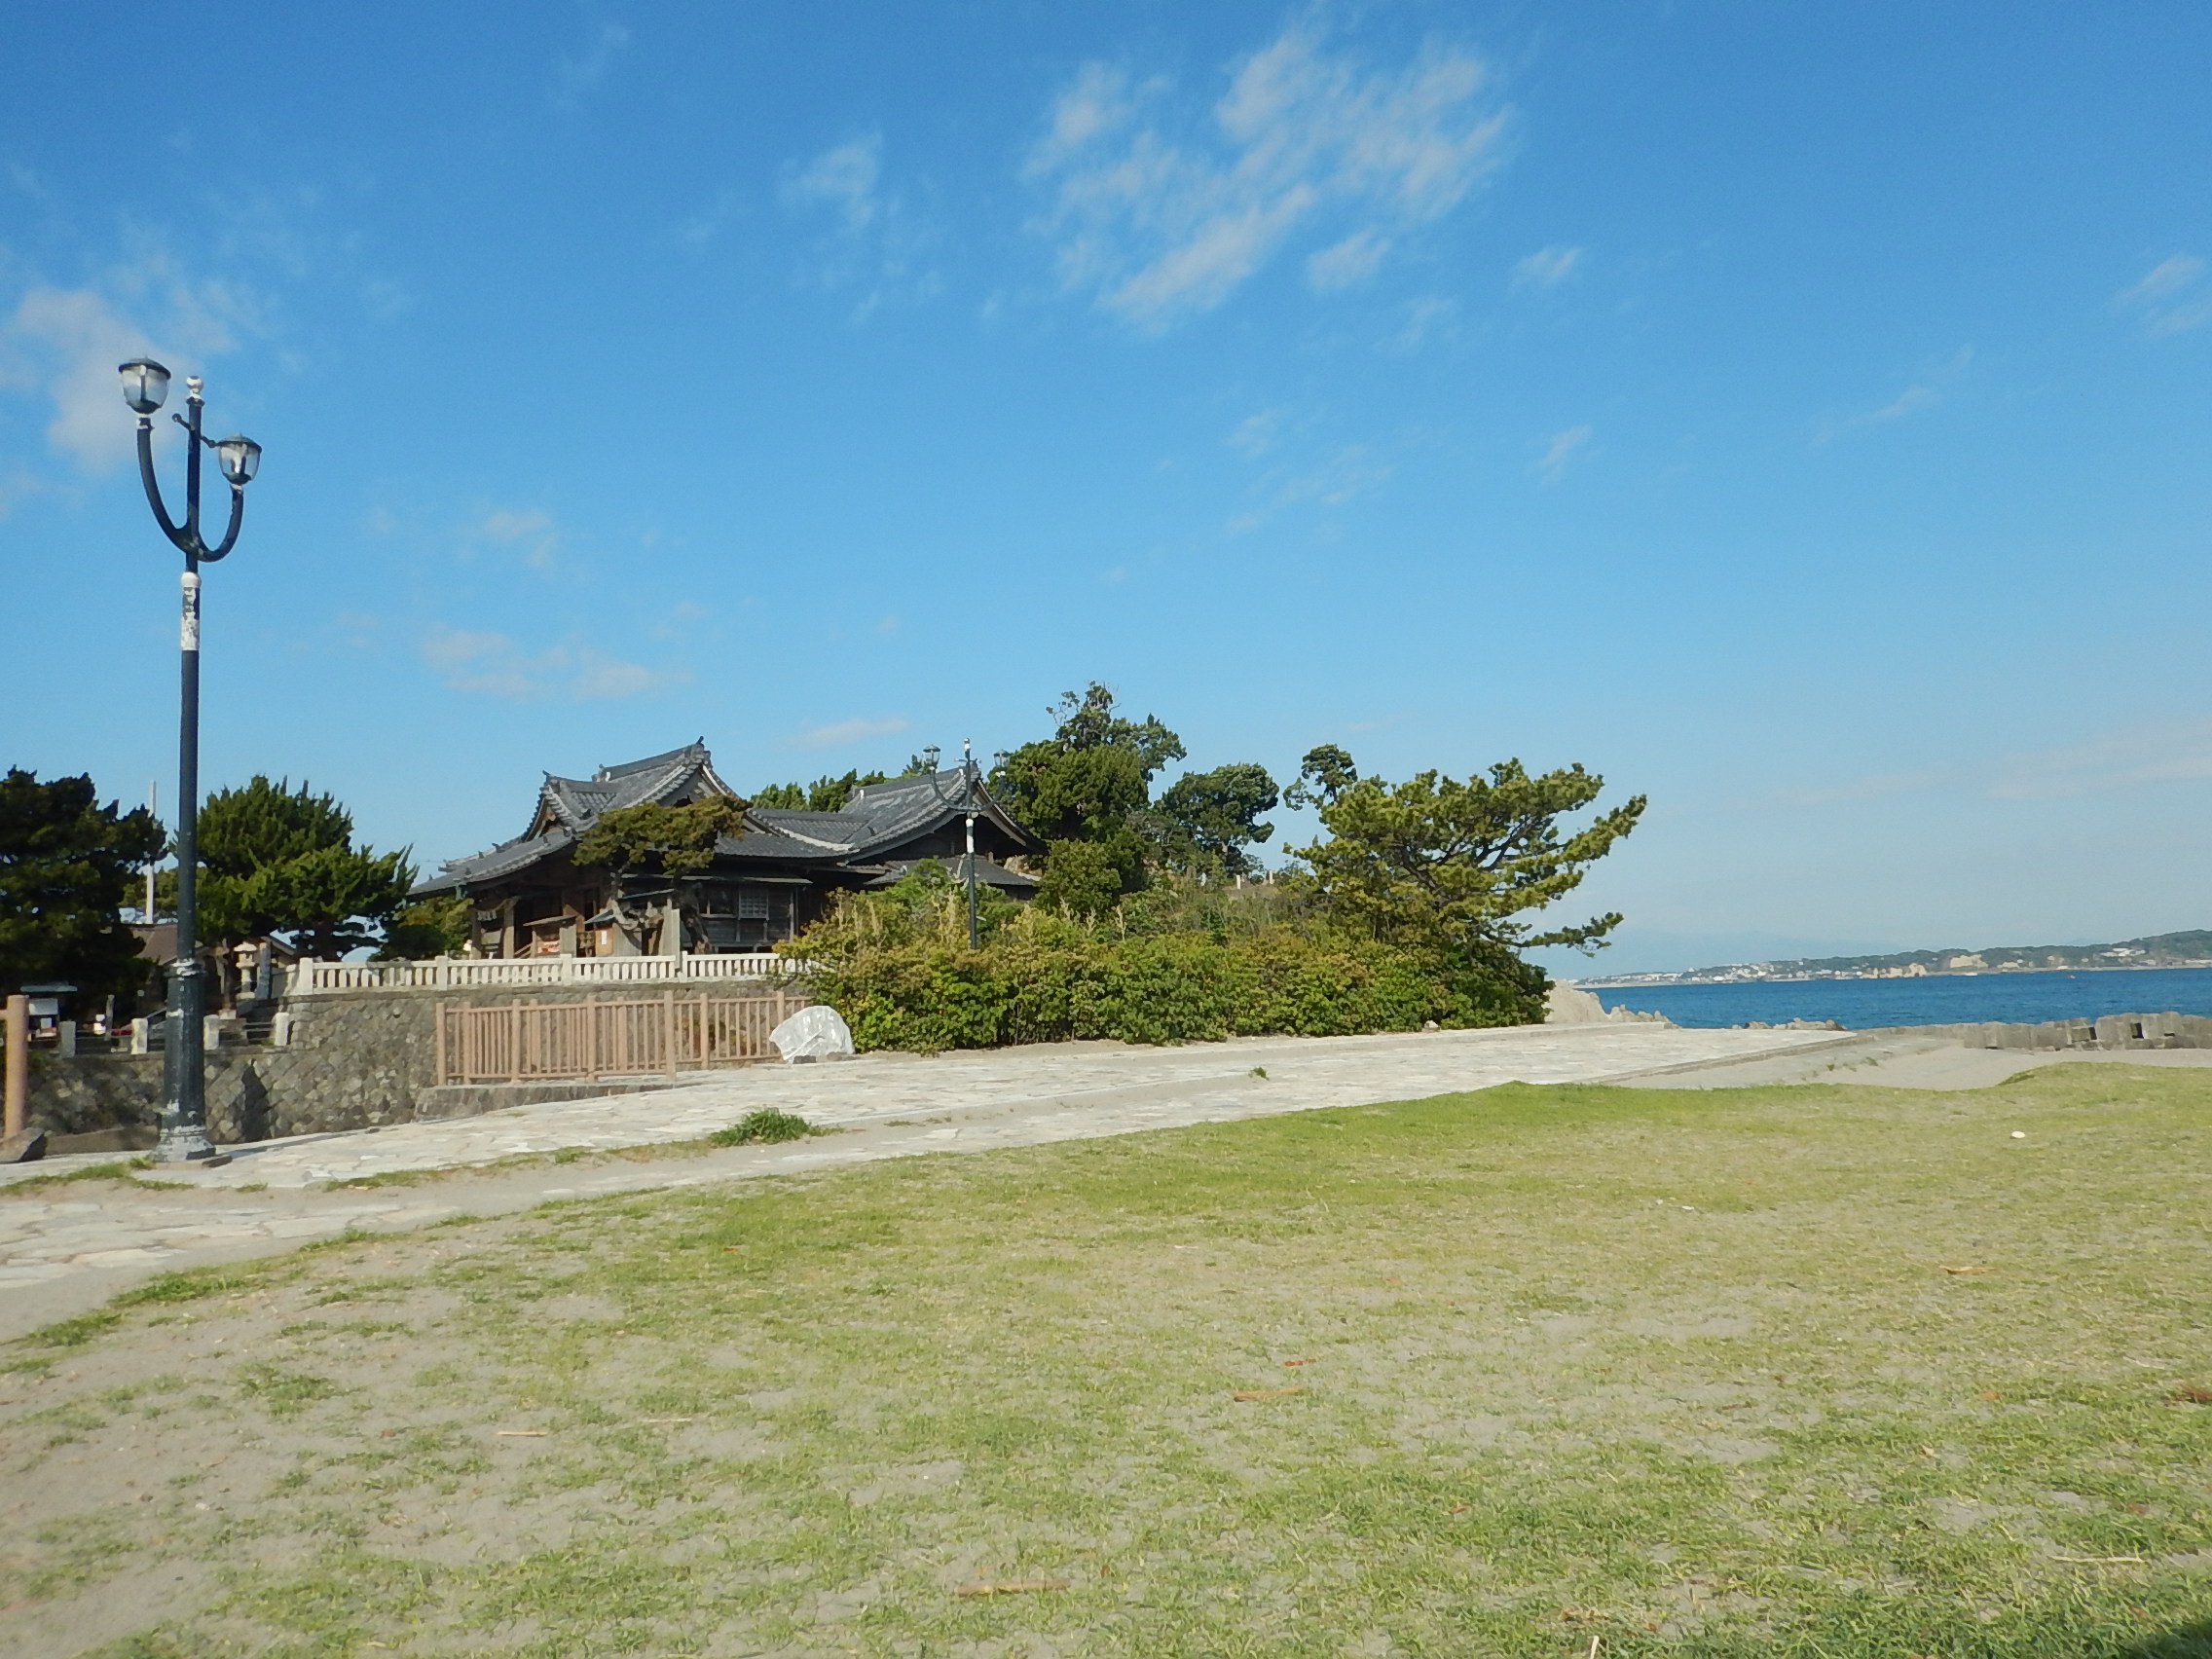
{"x":187,"y":1143}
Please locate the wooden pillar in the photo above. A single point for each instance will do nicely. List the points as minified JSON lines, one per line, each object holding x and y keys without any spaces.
{"x":668,"y":1030}
{"x":16,"y":1095}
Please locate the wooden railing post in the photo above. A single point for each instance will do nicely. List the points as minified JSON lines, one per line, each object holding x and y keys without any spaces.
{"x":16,"y":1091}
{"x":668,"y":1031}
{"x":440,"y":1073}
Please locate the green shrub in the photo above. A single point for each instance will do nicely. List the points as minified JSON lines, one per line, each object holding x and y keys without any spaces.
{"x":1043,"y":979}
{"x":766,"y":1125}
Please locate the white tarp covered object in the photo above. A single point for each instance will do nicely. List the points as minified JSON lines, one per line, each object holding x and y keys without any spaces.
{"x":811,"y":1034}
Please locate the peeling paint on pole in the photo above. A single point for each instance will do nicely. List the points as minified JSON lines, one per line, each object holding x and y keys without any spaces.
{"x":188,"y":635}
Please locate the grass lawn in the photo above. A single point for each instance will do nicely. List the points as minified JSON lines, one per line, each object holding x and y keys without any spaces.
{"x":1542,"y":1372}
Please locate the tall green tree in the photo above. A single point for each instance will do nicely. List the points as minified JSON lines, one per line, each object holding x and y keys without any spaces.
{"x":1326,"y":773}
{"x":1441,"y":864}
{"x":824,"y":795}
{"x":662,"y":840}
{"x":656,"y":840}
{"x":1207,"y":823}
{"x":279,"y":863}
{"x":1090,"y":780}
{"x":67,"y":866}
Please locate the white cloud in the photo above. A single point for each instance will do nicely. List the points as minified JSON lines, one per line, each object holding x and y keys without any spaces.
{"x":2171,"y":297}
{"x":385,"y":299}
{"x":1256,"y":434}
{"x":69,"y":341}
{"x":1349,"y":263}
{"x":2146,"y":755}
{"x":534,"y":533}
{"x":845,"y":178}
{"x":1350,"y":472}
{"x":1875,"y":788}
{"x":703,"y":227}
{"x":580,"y":74}
{"x":493,"y":665}
{"x":1428,"y":317}
{"x":19,"y":484}
{"x":1931,"y":390}
{"x":1561,"y":451}
{"x":1547,"y":267}
{"x":844,"y":732}
{"x":1302,"y":141}
{"x":876,"y":246}
{"x":2154,"y":753}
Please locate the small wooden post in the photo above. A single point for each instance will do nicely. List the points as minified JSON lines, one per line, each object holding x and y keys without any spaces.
{"x":16,"y":1093}
{"x":441,"y":1061}
{"x":514,"y":1040}
{"x":668,"y":1030}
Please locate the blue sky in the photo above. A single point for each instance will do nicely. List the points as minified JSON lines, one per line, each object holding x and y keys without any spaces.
{"x":1800,"y":419}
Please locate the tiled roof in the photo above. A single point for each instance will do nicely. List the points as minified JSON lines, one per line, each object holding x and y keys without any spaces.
{"x":875,"y":818}
{"x":679,"y":773}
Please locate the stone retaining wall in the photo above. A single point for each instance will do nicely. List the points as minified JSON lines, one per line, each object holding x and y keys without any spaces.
{"x":356,"y":1059}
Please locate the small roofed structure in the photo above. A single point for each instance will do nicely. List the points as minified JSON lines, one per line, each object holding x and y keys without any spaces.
{"x":528,"y":897}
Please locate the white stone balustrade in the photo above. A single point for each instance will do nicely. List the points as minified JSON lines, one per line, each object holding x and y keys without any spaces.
{"x":311,"y":978}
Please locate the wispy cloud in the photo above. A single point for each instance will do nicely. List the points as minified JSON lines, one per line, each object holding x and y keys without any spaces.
{"x":707,"y":224}
{"x":1875,"y":788}
{"x":2172,"y":296}
{"x":1350,"y":472}
{"x":532,"y":533}
{"x":1561,"y":453}
{"x":875,"y":243}
{"x":2149,"y":754}
{"x":581,"y":73}
{"x":1304,"y":142}
{"x":1932,"y":388}
{"x":1256,"y":434}
{"x":1349,"y":263}
{"x":69,"y":341}
{"x":1429,"y":317}
{"x":844,"y":732}
{"x":495,"y":666}
{"x":844,"y":177}
{"x":2136,"y":757}
{"x":1547,"y":267}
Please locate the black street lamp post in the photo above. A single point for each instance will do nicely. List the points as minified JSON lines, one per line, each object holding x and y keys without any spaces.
{"x":184,"y":1094}
{"x":968,"y":783}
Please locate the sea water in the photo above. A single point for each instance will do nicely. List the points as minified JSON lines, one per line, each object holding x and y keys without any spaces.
{"x":1938,"y":999}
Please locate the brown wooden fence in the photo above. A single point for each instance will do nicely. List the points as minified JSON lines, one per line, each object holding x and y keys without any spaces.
{"x":514,"y":1042}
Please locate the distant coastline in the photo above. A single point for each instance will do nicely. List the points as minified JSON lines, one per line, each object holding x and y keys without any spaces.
{"x":2186,"y":950}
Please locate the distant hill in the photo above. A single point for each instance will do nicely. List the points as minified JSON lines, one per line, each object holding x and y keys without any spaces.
{"x":2192,"y":948}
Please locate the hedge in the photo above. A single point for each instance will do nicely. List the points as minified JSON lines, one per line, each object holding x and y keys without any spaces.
{"x":1044,"y":986}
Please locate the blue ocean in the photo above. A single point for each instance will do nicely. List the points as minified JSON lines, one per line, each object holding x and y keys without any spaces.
{"x":1940,"y":999}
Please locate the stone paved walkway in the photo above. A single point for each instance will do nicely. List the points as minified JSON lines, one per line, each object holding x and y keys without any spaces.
{"x":65,"y":1249}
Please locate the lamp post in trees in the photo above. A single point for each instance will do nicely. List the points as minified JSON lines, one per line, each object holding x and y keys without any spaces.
{"x":184,"y":1097}
{"x":968,"y":791}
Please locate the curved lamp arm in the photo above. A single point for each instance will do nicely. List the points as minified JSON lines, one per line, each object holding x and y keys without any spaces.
{"x":208,"y":555}
{"x":154,"y":487}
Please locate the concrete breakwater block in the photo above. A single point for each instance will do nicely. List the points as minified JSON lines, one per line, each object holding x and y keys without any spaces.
{"x":2107,"y":1032}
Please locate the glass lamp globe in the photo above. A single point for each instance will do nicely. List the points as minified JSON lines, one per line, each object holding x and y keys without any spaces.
{"x":145,"y":384}
{"x":241,"y":457}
